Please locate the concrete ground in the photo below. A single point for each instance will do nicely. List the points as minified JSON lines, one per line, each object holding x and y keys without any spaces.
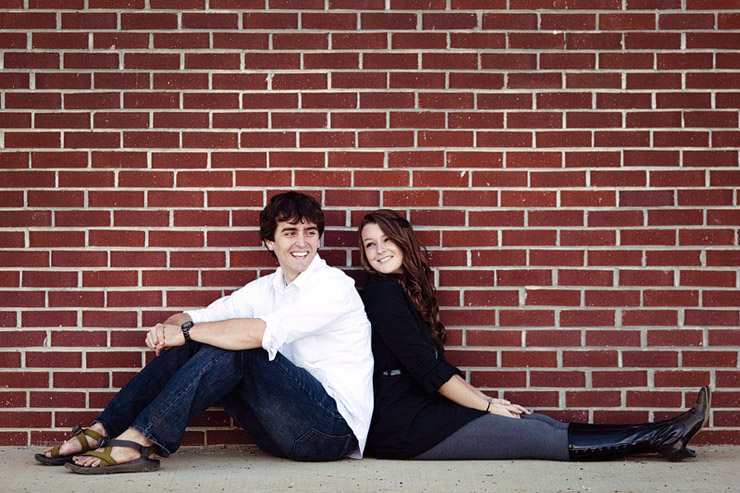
{"x":716,"y":469}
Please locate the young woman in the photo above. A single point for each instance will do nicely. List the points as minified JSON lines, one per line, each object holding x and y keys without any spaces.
{"x":424,"y":409}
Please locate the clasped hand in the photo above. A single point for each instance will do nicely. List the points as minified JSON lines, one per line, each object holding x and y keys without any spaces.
{"x":164,"y":336}
{"x":506,"y":408}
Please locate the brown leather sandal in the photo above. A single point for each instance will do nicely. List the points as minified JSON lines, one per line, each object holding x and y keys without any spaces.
{"x":108,"y":464}
{"x":60,"y":460}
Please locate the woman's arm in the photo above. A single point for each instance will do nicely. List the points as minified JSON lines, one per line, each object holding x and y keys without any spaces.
{"x":461,"y":392}
{"x":394,"y":322}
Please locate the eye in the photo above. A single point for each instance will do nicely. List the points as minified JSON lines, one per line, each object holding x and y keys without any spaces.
{"x":369,"y":244}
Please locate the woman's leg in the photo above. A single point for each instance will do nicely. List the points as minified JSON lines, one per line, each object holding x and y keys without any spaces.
{"x":498,"y":437}
{"x":546,"y":419}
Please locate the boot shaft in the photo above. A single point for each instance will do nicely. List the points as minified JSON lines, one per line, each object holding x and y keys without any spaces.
{"x":667,"y":437}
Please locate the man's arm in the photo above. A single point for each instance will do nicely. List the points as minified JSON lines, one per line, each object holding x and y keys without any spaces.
{"x":234,"y":334}
{"x":178,"y":319}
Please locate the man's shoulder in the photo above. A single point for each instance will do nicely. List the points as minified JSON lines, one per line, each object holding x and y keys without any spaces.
{"x":325,"y":273}
{"x":260,"y":283}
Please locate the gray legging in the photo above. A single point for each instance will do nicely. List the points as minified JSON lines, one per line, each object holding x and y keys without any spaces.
{"x":534,"y":436}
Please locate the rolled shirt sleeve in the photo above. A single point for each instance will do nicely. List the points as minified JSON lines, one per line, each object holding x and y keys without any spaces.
{"x":310,"y":313}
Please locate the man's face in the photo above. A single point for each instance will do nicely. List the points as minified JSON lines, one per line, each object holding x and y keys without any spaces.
{"x":295,"y":246}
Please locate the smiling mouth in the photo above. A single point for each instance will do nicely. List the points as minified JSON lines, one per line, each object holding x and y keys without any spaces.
{"x":299,"y":255}
{"x":384,"y":259}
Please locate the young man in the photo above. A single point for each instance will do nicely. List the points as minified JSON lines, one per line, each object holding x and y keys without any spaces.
{"x":288,"y":356}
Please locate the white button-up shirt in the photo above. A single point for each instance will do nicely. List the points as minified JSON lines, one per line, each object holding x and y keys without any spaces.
{"x":318,"y":322}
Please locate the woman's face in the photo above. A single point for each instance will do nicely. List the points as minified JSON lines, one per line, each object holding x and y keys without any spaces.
{"x":382,"y":254}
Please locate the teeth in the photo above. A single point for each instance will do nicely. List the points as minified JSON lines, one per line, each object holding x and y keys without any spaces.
{"x":300,"y":254}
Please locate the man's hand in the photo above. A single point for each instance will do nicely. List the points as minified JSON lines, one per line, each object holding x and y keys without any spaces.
{"x":164,"y":336}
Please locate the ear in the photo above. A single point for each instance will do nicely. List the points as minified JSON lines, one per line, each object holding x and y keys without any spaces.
{"x":269,"y":244}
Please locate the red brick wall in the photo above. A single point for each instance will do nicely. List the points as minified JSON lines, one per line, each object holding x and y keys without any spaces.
{"x":573,"y":166}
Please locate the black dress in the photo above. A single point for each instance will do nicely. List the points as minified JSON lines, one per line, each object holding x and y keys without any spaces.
{"x":410,"y":416}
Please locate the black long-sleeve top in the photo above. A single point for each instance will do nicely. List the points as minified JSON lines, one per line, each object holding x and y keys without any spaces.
{"x":410,"y":416}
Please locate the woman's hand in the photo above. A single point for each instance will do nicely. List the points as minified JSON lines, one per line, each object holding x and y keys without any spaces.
{"x":163,"y":336}
{"x":506,"y":408}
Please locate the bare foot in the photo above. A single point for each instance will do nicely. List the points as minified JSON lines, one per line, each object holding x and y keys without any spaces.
{"x":120,"y":454}
{"x":73,"y":445}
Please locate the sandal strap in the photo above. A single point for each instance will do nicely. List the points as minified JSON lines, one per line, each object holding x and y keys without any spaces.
{"x":55,"y":451}
{"x":144,"y":451}
{"x":105,"y":458}
{"x":81,"y":433}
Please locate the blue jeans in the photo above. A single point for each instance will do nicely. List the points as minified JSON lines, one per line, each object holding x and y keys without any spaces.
{"x":282,"y":406}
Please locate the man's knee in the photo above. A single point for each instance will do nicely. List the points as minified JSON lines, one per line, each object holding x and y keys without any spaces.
{"x":252,"y":357}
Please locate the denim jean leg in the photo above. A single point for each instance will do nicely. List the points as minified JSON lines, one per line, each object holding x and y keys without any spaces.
{"x":294,"y":413}
{"x":236,"y":404}
{"x":204,"y":379}
{"x":143,"y":388}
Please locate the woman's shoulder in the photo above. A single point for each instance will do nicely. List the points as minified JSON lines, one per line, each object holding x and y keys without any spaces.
{"x":381,"y":286}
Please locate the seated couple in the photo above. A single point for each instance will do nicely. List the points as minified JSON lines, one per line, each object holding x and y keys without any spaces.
{"x":288,"y":356}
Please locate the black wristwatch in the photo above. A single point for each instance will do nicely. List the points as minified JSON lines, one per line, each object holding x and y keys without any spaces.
{"x":186,"y":330}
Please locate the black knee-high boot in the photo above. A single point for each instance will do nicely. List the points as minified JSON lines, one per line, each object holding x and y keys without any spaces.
{"x":667,"y":437}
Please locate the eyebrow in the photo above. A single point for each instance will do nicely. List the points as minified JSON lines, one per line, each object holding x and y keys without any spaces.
{"x":295,"y":228}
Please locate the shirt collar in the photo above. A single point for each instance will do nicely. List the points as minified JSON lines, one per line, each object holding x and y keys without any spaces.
{"x":302,"y":280}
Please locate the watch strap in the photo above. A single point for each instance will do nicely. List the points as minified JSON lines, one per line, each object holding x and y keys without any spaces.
{"x":186,"y":330}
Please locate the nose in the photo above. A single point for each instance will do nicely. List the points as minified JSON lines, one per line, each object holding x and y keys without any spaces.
{"x":300,"y":239}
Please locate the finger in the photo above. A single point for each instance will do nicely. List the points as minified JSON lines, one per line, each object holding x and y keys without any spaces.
{"x":522,"y":409}
{"x":512,"y":414}
{"x":152,"y":338}
{"x":160,"y":335}
{"x":150,"y":341}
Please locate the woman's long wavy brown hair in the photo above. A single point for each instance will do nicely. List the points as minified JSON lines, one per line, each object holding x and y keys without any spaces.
{"x":416,"y":278}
